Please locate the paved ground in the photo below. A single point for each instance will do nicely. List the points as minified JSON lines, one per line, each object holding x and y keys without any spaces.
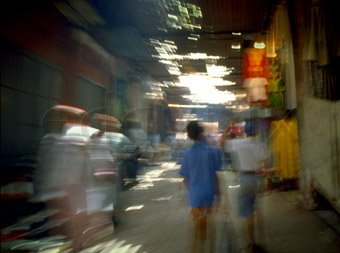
{"x":154,"y":218}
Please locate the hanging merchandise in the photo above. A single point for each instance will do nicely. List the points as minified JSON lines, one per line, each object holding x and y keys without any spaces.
{"x":323,"y":80}
{"x":279,"y":40}
{"x":285,"y":148}
{"x":270,"y":42}
{"x":322,"y":35}
{"x":321,"y":51}
{"x":276,"y":84}
{"x":255,"y":75}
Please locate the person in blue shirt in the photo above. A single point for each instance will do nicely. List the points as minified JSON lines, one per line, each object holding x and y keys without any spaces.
{"x":199,"y":166}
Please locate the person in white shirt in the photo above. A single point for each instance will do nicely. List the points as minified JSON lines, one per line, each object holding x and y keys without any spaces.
{"x":248,"y":157}
{"x":61,"y":176}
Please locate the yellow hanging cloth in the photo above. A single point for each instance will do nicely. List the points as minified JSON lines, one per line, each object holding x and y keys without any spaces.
{"x":285,"y":148}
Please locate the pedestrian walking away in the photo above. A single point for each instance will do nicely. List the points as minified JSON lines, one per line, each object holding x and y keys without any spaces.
{"x":199,"y":166}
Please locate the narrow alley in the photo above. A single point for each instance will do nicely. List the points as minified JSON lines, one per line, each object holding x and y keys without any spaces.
{"x":154,"y":217}
{"x":102,"y":99}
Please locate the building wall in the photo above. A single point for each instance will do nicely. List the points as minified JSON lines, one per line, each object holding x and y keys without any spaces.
{"x":318,"y":119}
{"x":320,"y":144}
{"x":30,"y":85}
{"x":46,"y":33}
{"x":45,"y":61}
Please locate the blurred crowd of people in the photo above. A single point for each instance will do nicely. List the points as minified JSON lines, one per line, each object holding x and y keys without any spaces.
{"x":83,"y":165}
{"x":85,"y":162}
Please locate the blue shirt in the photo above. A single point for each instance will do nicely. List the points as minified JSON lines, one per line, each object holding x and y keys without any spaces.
{"x":199,"y":166}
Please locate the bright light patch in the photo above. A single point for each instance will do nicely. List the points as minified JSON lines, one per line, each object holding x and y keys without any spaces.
{"x":192,"y":38}
{"x":233,"y":186}
{"x":52,"y":250}
{"x":185,"y":120}
{"x":168,"y":83}
{"x":187,"y":106}
{"x":143,"y":186}
{"x":192,"y":56}
{"x":203,"y":89}
{"x":174,"y":71}
{"x":131,"y":208}
{"x":166,"y":53}
{"x":153,"y":95}
{"x":175,"y":180}
{"x":238,"y":108}
{"x":170,"y":42}
{"x":162,"y":199}
{"x":183,"y":15}
{"x":201,"y":56}
{"x":259,"y":45}
{"x":217,"y":71}
{"x":236,"y":46}
{"x":173,"y":17}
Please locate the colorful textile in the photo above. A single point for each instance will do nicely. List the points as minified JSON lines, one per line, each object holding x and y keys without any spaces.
{"x":285,"y":148}
{"x":200,"y":212}
{"x":276,"y":84}
{"x":256,"y":88}
{"x":255,"y":73}
{"x":276,"y":99}
{"x":255,"y":63}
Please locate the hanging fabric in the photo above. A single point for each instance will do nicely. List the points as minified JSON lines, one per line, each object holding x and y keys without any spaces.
{"x":255,"y":75}
{"x":321,"y":50}
{"x":276,"y":84}
{"x":285,"y":148}
{"x":284,"y":44}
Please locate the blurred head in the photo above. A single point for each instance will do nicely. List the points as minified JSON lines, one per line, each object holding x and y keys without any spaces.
{"x":251,"y":128}
{"x":106,"y":123}
{"x":194,"y":130}
{"x":59,"y":115}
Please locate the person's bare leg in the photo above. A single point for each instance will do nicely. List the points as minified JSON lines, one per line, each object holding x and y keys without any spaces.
{"x":200,"y":235}
{"x":195,"y":238}
{"x":260,"y":227}
{"x":250,"y":226}
{"x":211,"y":233}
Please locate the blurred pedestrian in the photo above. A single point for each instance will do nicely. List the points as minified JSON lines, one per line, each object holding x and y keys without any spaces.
{"x":227,"y":134}
{"x":199,"y":166}
{"x":115,"y":150}
{"x":132,"y":128}
{"x":102,"y":190}
{"x":62,"y":173}
{"x":249,"y":157}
